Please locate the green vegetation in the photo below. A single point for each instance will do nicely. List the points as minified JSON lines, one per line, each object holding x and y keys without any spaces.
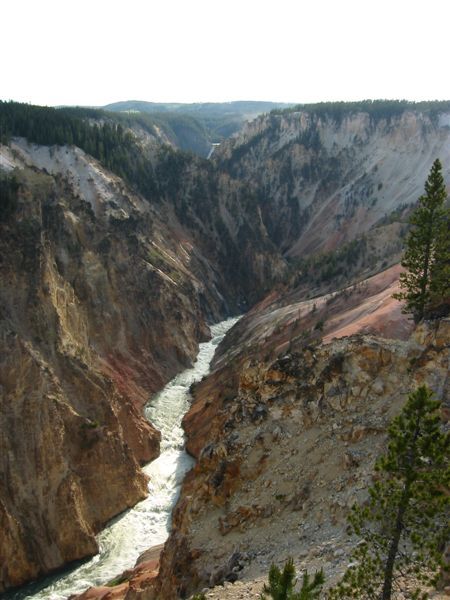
{"x":89,"y":425}
{"x":426,"y":281}
{"x":215,"y":120}
{"x":108,"y":141}
{"x":404,"y":526}
{"x":377,"y":109}
{"x":399,"y":214}
{"x":184,"y":131}
{"x":113,"y":139}
{"x":319,"y":325}
{"x":282,"y":583}
{"x":327,"y":266}
{"x":9,"y":189}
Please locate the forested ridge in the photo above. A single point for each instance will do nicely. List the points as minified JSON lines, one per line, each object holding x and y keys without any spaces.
{"x":216,"y":120}
{"x":376,"y":109}
{"x":111,"y":138}
{"x":105,"y":137}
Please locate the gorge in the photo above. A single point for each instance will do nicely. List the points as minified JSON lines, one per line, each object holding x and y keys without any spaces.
{"x":108,"y":288}
{"x":148,"y":523}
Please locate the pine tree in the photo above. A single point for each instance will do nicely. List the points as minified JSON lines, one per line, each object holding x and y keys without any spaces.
{"x":311,"y":590}
{"x":282,"y":583}
{"x":9,"y":188}
{"x":426,"y":280}
{"x":405,"y":524}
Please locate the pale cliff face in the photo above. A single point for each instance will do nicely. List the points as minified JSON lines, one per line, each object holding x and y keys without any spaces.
{"x":322,"y":181}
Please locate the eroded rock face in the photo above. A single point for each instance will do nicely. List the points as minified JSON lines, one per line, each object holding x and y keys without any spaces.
{"x":99,"y":308}
{"x":104,"y":298}
{"x":66,"y":461}
{"x":288,"y":456}
{"x":323,"y":179}
{"x":72,"y":431}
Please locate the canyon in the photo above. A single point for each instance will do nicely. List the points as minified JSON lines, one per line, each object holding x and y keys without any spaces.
{"x":106,"y":294}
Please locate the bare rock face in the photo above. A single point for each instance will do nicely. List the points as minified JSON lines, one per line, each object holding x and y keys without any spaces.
{"x":67,"y":470}
{"x":288,"y":455}
{"x":323,"y":178}
{"x":98,"y":310}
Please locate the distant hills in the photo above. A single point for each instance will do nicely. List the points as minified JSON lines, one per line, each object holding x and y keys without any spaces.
{"x":196,"y":126}
{"x":242,"y":108}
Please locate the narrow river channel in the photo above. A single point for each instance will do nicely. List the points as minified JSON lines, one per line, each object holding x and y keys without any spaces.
{"x":148,"y":523}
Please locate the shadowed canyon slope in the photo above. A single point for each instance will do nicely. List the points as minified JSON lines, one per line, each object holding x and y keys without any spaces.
{"x":107,"y":290}
{"x":102,"y":301}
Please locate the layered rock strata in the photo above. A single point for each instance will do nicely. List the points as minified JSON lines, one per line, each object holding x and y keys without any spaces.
{"x":81,"y":352}
{"x":323,"y":178}
{"x":103,"y":300}
{"x":290,"y":449}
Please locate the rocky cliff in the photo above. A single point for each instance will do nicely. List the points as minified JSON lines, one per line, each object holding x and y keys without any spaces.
{"x":104,"y":298}
{"x":81,"y":352}
{"x":291,"y":446}
{"x":325,"y":174}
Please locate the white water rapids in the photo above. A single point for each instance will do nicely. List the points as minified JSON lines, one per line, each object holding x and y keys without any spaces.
{"x":148,"y":523}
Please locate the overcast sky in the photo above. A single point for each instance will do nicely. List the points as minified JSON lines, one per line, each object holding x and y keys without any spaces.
{"x":92,"y":52}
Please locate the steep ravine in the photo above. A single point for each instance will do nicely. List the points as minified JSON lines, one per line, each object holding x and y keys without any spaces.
{"x":100,"y":307}
{"x":148,"y":523}
{"x":291,"y":446}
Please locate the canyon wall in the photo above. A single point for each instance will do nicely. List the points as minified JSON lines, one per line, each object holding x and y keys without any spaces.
{"x":103,"y":299}
{"x":289,"y":447}
{"x":324,"y":177}
{"x":82,"y":349}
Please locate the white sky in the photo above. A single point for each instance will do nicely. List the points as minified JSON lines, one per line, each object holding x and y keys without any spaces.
{"x":93,"y":52}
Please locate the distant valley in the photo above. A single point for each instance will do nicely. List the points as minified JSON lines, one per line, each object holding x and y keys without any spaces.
{"x":196,"y":126}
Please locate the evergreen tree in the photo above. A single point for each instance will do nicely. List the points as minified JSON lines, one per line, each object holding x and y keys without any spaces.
{"x":311,"y":590}
{"x":9,"y":188}
{"x":405,"y":524}
{"x":282,"y":583}
{"x":426,"y":281}
{"x":109,"y":142}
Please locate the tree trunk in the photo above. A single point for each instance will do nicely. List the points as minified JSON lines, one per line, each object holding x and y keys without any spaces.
{"x":399,"y":525}
{"x":425,"y":277}
{"x":393,"y":548}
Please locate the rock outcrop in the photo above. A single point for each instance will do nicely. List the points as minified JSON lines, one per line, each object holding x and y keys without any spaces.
{"x":324,"y":177}
{"x":290,"y":449}
{"x":103,"y":299}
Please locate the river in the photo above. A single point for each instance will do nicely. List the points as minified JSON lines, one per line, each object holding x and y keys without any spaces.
{"x":148,"y":523}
